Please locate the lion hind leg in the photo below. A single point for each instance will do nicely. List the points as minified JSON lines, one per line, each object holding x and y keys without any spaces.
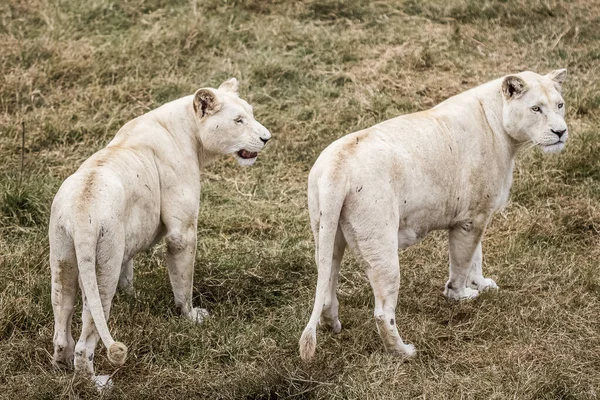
{"x":108,"y":269}
{"x":327,"y":204}
{"x":84,"y":351}
{"x":330,"y":314}
{"x":126,"y":278}
{"x":384,"y":275}
{"x":64,"y":295}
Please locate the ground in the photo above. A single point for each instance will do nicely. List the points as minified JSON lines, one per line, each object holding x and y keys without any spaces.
{"x":74,"y":71}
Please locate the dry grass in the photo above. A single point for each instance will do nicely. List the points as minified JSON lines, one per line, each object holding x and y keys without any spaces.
{"x":75,"y":71}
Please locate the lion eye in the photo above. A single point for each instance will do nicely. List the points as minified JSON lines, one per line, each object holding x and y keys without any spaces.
{"x":536,"y":109}
{"x":239,"y":120}
{"x":560,"y":105}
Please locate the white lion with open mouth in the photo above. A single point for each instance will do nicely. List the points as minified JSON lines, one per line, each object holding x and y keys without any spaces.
{"x":145,"y":185}
{"x":450,"y":167}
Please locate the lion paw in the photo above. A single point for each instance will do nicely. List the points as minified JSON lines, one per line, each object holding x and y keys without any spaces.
{"x":198,"y":314}
{"x":102,"y":382}
{"x":486,"y":284}
{"x":464,"y":293}
{"x":130,"y":292}
{"x":335,"y":326}
{"x":63,"y":357}
{"x":404,"y":350}
{"x":62,"y":364}
{"x":410,"y":351}
{"x":483,"y":284}
{"x":83,"y":363}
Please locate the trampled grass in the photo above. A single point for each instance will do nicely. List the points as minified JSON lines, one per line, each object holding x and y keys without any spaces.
{"x":314,"y":70}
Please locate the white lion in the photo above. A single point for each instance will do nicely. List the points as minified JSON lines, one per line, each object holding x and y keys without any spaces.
{"x":449,"y":167}
{"x":145,"y":185}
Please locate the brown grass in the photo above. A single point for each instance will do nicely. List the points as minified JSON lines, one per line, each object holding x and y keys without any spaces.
{"x":314,"y":70}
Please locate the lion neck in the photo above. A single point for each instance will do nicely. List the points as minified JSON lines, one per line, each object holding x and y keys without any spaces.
{"x":489,"y":96}
{"x":178,"y":118}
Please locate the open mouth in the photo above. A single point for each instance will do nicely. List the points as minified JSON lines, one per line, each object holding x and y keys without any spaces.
{"x":245,"y":154}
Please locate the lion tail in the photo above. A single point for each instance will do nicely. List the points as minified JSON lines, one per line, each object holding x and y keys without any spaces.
{"x":85,"y":249}
{"x":331,"y":197}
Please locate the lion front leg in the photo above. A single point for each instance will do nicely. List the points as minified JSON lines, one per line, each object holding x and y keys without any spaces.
{"x":476,"y":279}
{"x":180,"y":256}
{"x":464,"y":241}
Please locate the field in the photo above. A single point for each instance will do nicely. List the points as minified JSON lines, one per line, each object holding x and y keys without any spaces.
{"x":73,"y":72}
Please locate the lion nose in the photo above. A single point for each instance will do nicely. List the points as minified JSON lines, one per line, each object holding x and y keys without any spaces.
{"x":558,"y":133}
{"x":264,"y":140}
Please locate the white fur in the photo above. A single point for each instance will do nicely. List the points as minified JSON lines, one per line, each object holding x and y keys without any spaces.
{"x":449,"y":167}
{"x":145,"y":185}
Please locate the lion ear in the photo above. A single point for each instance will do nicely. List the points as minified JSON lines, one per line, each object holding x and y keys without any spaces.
{"x":206,"y":102}
{"x":230,"y":85}
{"x":513,"y":87}
{"x":558,"y":75}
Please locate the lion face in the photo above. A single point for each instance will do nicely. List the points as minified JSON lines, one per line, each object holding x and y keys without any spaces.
{"x":534,"y":110}
{"x":227,"y":123}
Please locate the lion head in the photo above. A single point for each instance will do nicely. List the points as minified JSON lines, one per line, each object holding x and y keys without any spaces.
{"x":227,"y":124}
{"x":534,"y":110}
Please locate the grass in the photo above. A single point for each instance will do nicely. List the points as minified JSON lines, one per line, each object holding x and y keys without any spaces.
{"x":314,"y":70}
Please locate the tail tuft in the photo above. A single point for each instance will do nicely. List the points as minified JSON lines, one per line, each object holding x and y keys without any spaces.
{"x":117,"y":353}
{"x":308,"y":343}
